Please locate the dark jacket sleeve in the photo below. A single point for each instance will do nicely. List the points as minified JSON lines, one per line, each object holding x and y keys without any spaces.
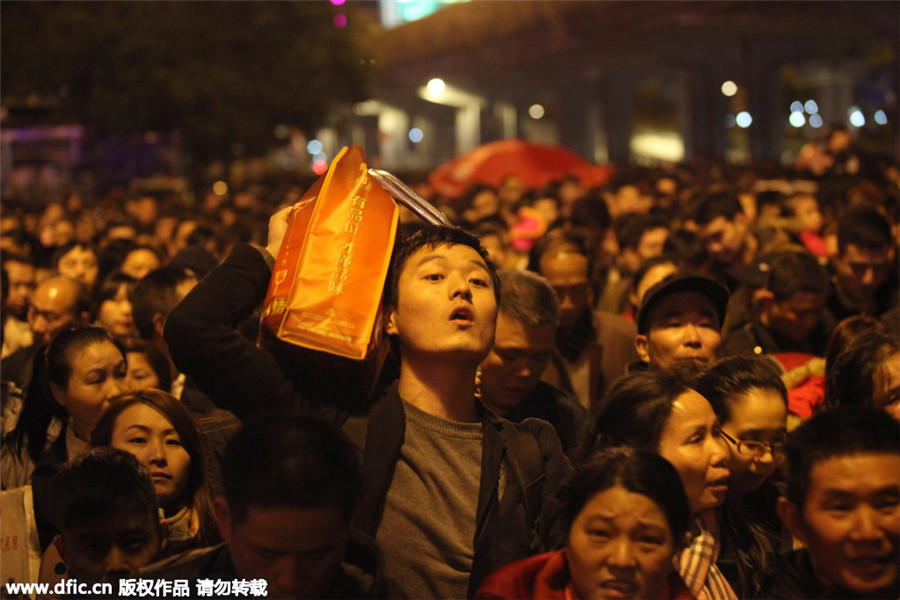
{"x":557,"y":470}
{"x":204,"y":343}
{"x":524,"y":520}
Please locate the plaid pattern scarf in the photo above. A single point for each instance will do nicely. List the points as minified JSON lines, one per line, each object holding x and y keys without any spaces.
{"x":697,"y":562}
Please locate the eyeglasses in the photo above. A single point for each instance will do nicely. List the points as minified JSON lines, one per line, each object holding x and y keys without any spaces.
{"x":755,"y":448}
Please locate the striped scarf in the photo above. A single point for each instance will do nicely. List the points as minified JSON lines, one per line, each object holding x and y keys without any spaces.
{"x":697,"y":562}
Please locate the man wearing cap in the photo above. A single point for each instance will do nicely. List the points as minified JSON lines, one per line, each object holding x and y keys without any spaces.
{"x":680,"y":322}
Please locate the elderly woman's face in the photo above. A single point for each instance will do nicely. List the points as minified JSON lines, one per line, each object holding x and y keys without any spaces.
{"x":620,"y":546}
{"x":690,"y":442}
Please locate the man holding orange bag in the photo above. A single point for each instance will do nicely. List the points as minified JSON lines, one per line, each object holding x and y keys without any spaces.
{"x":450,"y":491}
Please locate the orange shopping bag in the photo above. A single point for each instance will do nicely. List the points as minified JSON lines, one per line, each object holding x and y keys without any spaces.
{"x":325,"y":294}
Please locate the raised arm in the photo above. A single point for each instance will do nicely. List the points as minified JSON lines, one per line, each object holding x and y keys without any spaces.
{"x":203,"y":340}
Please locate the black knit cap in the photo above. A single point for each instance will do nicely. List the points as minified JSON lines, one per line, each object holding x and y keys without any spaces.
{"x":682,"y":282}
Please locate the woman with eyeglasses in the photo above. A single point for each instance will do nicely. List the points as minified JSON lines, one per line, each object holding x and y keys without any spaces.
{"x":750,"y":401}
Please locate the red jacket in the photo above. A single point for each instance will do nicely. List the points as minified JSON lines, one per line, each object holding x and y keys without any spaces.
{"x":546,"y":577}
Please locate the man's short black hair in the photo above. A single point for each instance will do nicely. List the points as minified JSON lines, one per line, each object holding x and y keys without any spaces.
{"x":851,"y":378}
{"x":156,"y":293}
{"x":633,"y":413}
{"x":290,"y":460}
{"x":68,"y":247}
{"x":726,"y":381}
{"x":434,"y":236}
{"x":865,"y":227}
{"x":793,"y":272}
{"x":841,"y":431}
{"x":590,"y":211}
{"x":717,"y":204}
{"x":630,"y":227}
{"x":101,"y":484}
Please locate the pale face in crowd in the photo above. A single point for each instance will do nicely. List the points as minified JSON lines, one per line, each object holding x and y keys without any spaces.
{"x":139,"y":262}
{"x":850,"y":521}
{"x":150,"y":436}
{"x":757,"y":416}
{"x":684,"y":326}
{"x":141,"y":375}
{"x":567,"y":273}
{"x":620,"y":546}
{"x":808,"y":214}
{"x":115,"y":314}
{"x":446,"y":304}
{"x":145,"y":210}
{"x":485,"y":204}
{"x":690,"y":442}
{"x":496,"y":247}
{"x":298,"y":551}
{"x":547,"y":208}
{"x":511,"y":190}
{"x":516,"y":362}
{"x":98,"y":374}
{"x":80,"y":263}
{"x":652,"y":242}
{"x":629,"y":198}
{"x":650,"y":245}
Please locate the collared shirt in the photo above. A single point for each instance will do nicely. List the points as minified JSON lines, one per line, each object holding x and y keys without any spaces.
{"x":697,"y":562}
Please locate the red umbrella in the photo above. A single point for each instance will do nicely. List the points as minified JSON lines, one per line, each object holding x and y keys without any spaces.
{"x":537,"y":165}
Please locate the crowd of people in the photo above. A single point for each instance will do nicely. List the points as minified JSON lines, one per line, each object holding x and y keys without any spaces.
{"x":683,"y":384}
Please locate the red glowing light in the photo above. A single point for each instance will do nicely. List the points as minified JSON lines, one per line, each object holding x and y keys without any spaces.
{"x":340,"y":20}
{"x":319,"y":167}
